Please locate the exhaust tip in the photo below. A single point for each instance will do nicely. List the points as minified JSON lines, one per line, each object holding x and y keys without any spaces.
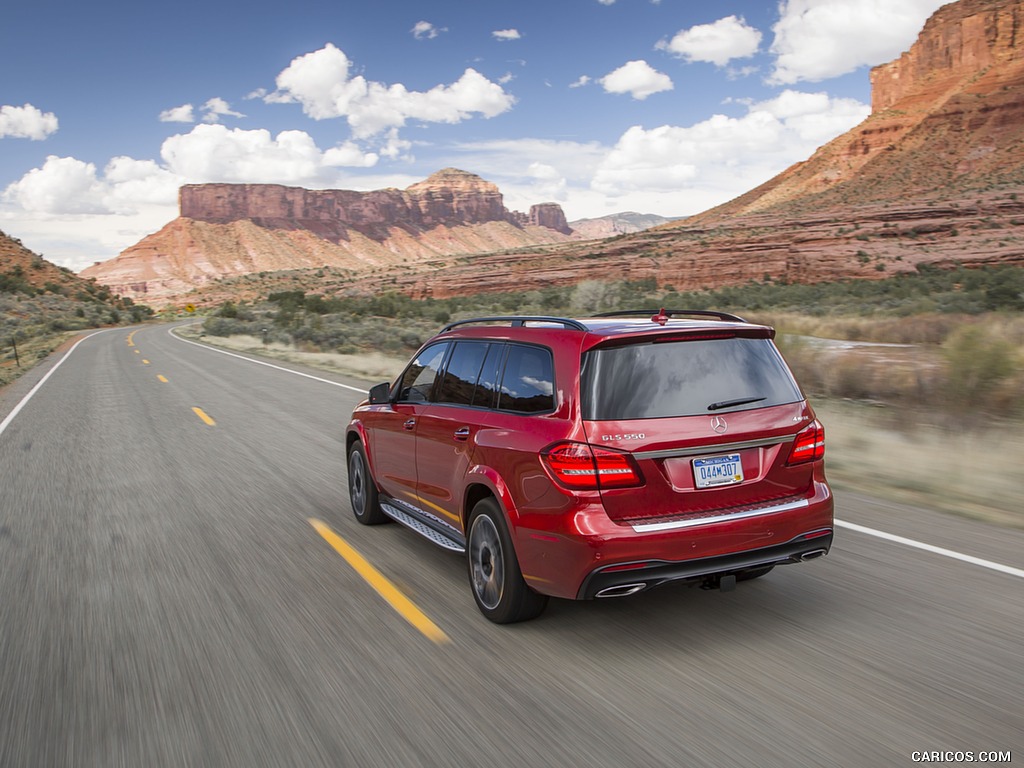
{"x":812,"y":555}
{"x":622,"y":590}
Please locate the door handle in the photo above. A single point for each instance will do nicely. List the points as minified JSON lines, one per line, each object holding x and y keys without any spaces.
{"x":410,"y":423}
{"x":462,"y":433}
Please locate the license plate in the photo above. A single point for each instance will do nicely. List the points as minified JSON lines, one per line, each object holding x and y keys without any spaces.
{"x":718,"y":470}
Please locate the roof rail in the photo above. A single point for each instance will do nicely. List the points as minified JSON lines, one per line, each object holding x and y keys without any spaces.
{"x":673,"y":313}
{"x":519,"y":321}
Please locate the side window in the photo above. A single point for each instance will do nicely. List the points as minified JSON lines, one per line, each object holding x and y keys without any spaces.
{"x":528,"y":382}
{"x":418,"y":379}
{"x":462,"y":372}
{"x":487,"y":385}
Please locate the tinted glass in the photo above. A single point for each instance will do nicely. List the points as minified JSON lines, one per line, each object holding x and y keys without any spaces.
{"x":418,"y":379}
{"x":527,"y":383}
{"x":487,"y":384}
{"x":684,"y":378}
{"x":462,"y":372}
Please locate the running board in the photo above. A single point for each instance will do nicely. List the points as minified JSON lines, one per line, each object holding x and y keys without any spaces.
{"x":440,"y":538}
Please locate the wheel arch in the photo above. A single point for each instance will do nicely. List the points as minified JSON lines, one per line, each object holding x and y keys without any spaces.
{"x":356,"y":433}
{"x":484,"y":482}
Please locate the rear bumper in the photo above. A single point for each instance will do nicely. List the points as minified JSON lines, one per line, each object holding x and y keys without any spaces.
{"x":584,"y":554}
{"x":610,"y":583}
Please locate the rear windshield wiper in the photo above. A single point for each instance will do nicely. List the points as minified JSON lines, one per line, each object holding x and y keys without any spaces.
{"x":731,"y":403}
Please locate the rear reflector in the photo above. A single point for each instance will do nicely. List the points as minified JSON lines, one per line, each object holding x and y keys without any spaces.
{"x":809,"y":445}
{"x":581,"y":466}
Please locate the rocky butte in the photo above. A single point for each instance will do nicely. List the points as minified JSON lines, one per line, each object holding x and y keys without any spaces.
{"x":236,"y":229}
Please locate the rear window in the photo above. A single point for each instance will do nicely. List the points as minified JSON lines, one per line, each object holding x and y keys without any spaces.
{"x":684,"y":378}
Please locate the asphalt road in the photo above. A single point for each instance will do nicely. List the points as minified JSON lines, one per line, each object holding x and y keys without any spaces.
{"x":166,"y":601}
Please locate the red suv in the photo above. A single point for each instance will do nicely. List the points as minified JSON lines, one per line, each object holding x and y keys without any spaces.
{"x":596,"y":457}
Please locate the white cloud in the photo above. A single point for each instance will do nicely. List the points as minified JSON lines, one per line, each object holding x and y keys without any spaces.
{"x":66,"y":186}
{"x":549,"y":184}
{"x":321,"y":84}
{"x":395,"y":147}
{"x":692,"y":168}
{"x":506,"y":34}
{"x":815,"y":117}
{"x":719,"y":43}
{"x":129,"y":185}
{"x":583,"y":80}
{"x":424,"y":30}
{"x":637,"y":78}
{"x":62,"y":185}
{"x":182,"y":114}
{"x":26,"y":122}
{"x":216,"y":108}
{"x":348,"y":154}
{"x":819,"y":39}
{"x":214,"y":153}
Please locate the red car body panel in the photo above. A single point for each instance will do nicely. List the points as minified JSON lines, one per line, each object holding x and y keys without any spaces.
{"x":577,"y":543}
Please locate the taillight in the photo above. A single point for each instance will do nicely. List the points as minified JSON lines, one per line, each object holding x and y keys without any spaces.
{"x":809,"y":445}
{"x":581,"y":466}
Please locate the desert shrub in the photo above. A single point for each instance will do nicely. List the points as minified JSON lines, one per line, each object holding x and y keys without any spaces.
{"x":591,"y":296}
{"x":980,"y":364}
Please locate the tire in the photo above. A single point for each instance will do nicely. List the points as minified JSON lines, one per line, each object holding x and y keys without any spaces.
{"x":362,"y":490}
{"x":754,"y":573}
{"x":498,"y":587}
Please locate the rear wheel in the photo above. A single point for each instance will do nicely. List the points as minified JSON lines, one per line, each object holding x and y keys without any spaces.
{"x":499,"y":589}
{"x":362,"y":491}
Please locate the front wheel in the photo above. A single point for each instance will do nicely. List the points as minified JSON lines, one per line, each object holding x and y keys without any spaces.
{"x":362,"y":491}
{"x":499,"y":589}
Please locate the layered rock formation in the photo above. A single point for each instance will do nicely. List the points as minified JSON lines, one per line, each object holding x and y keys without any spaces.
{"x":236,"y":229}
{"x":935,"y":176}
{"x":948,"y":115}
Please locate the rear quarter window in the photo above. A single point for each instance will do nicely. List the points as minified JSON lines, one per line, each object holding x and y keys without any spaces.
{"x":528,"y":380}
{"x":683,"y":378}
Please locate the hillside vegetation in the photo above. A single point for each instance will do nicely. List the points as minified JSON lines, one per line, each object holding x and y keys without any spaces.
{"x":936,"y":341}
{"x":41,"y":304}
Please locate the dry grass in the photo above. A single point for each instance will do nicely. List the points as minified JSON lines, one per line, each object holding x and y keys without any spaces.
{"x":973,"y":473}
{"x":30,"y":352}
{"x":372,"y":367}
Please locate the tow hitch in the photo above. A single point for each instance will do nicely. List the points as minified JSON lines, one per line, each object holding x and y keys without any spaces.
{"x":724,"y":582}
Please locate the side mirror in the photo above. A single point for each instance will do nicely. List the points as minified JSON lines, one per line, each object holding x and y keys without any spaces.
{"x":379,"y":393}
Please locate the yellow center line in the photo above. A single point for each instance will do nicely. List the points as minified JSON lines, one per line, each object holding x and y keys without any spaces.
{"x":145,"y":362}
{"x":199,"y":412}
{"x":130,"y":342}
{"x":379,"y":582}
{"x":137,"y":352}
{"x":162,"y":378}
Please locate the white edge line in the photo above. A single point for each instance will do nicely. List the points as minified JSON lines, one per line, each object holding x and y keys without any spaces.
{"x":934,"y":550}
{"x":261,"y":362}
{"x":17,"y":409}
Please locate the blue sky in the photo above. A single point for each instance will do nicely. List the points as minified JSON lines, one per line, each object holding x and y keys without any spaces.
{"x":655,"y":106}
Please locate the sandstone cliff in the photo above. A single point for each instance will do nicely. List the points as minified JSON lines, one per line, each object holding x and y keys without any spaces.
{"x":237,"y":229}
{"x":947,"y":116}
{"x":934,"y":176}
